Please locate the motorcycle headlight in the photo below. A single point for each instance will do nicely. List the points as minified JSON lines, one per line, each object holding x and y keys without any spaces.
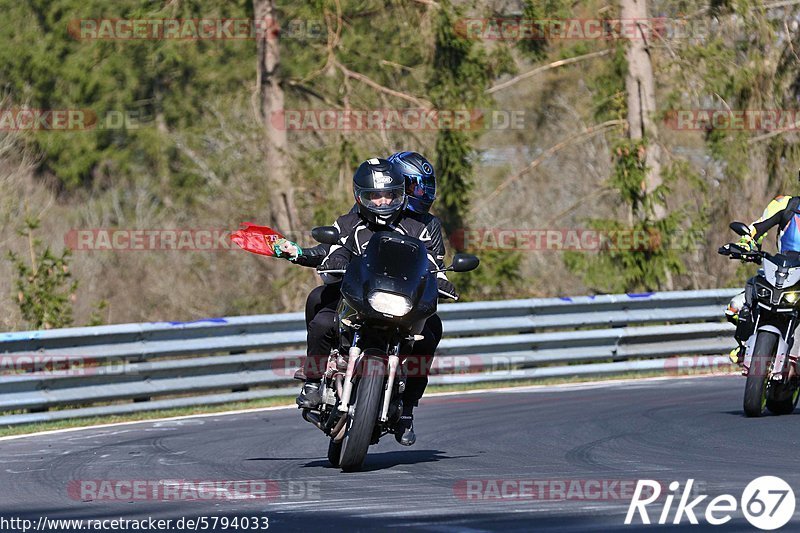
{"x":389,"y":304}
{"x":791,"y":297}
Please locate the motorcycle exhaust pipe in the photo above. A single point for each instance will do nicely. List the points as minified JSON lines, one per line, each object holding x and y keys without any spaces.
{"x":338,"y":431}
{"x":313,"y":418}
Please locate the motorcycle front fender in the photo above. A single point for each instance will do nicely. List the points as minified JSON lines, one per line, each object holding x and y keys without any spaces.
{"x":781,"y":350}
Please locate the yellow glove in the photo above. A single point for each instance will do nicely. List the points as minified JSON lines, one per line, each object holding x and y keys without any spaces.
{"x":747,"y":243}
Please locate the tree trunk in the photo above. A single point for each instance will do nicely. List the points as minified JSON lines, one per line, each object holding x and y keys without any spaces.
{"x":281,"y":209}
{"x":283,"y":215}
{"x":641,"y":94}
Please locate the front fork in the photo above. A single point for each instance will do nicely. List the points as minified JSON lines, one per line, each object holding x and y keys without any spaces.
{"x":394,"y":362}
{"x":353,"y":358}
{"x":786,"y":349}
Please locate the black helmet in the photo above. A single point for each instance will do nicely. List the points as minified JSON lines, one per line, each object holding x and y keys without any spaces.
{"x":420,"y":179}
{"x":380,"y":191}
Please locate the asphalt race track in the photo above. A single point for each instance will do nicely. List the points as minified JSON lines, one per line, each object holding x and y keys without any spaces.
{"x":578,"y":436}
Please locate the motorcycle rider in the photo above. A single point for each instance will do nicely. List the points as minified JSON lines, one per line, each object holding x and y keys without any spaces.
{"x":410,"y":172}
{"x":784,"y":212}
{"x":421,"y":192}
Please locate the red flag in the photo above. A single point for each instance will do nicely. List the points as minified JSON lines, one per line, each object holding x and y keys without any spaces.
{"x":256,"y":239}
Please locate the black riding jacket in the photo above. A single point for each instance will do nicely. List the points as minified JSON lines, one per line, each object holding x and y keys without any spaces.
{"x":313,"y":257}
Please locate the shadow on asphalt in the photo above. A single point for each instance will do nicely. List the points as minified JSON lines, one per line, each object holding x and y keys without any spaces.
{"x":384,"y":460}
{"x":740,"y":413}
{"x":278,"y":458}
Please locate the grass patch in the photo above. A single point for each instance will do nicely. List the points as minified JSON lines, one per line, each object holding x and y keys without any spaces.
{"x":564,"y":380}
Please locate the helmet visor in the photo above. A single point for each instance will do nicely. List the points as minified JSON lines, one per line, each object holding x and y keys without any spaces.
{"x":382,"y":201}
{"x":421,"y":187}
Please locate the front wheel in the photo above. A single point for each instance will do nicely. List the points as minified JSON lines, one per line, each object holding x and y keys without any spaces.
{"x":755,"y":390}
{"x":369,"y":393}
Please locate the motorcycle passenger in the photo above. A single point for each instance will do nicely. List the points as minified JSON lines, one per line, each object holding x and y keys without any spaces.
{"x":784,"y":212}
{"x":379,"y":187}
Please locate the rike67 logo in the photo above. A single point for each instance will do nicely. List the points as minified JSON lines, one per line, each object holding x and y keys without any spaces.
{"x":767,"y":502}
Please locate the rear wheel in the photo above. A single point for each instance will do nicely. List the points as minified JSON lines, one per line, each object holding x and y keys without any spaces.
{"x":368,"y":394}
{"x":755,"y":390}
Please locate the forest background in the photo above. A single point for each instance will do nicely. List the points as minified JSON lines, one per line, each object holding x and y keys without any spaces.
{"x":626,"y":131}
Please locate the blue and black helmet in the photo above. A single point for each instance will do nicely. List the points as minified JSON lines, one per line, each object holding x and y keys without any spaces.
{"x":420,"y":179}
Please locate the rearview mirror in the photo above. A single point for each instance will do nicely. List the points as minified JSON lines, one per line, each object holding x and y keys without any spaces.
{"x":464,"y":263}
{"x":740,"y":228}
{"x":326,"y":234}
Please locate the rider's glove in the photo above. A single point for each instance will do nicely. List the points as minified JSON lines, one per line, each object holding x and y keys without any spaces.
{"x":447,"y":288}
{"x":287,"y":249}
{"x":747,"y":243}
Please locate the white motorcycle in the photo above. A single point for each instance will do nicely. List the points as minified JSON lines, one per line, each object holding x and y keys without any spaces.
{"x":770,"y":359}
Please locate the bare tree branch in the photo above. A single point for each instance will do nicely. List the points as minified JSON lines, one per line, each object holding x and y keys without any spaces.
{"x":603,"y":191}
{"x":375,"y":85}
{"x":588,"y":132}
{"x":543,"y":68}
{"x":763,"y":137}
{"x":208,"y":172}
{"x":789,"y":40}
{"x":784,"y":3}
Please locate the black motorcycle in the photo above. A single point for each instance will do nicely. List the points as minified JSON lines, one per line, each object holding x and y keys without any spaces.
{"x":769,"y":362}
{"x":387,"y":295}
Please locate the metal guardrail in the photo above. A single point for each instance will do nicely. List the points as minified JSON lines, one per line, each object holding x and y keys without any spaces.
{"x":58,"y":374}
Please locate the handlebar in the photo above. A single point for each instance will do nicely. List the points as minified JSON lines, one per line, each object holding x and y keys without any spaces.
{"x":734,"y":251}
{"x":342,"y":271}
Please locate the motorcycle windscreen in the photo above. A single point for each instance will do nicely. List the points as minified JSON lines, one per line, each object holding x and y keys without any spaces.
{"x":395,"y":262}
{"x":392,"y":263}
{"x":789,"y":266}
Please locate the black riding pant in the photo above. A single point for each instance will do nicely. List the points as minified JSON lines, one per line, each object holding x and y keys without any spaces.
{"x":321,"y":324}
